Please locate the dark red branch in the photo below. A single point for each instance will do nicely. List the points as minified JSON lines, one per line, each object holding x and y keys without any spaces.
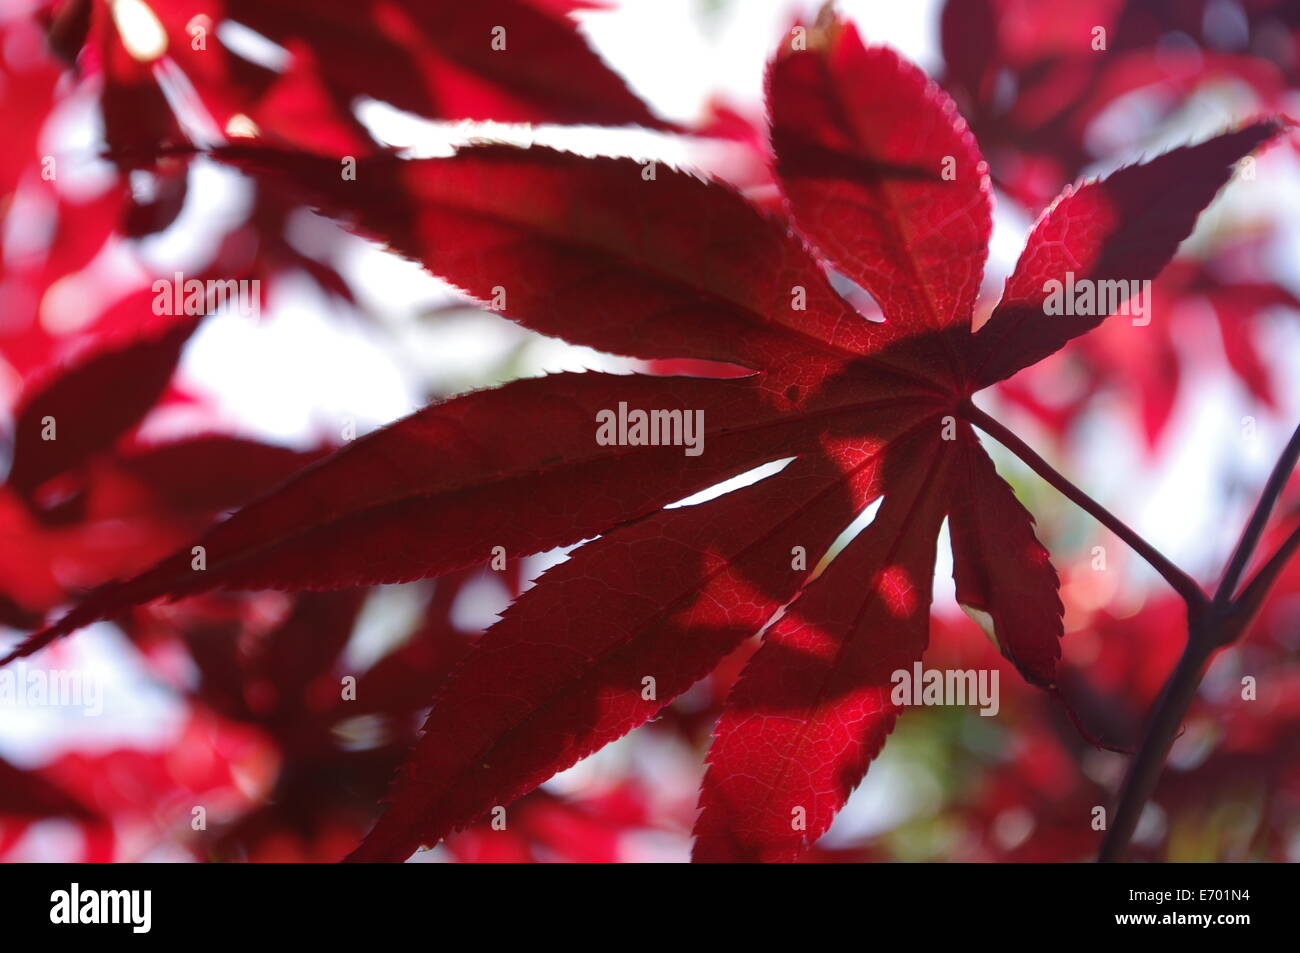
{"x":1162,"y":729}
{"x":1208,"y":629}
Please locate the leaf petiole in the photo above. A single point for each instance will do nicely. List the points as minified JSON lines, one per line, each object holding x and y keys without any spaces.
{"x":1182,"y":583}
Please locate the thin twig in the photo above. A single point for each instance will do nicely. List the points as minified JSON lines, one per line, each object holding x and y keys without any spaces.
{"x":1252,"y":596}
{"x":1258,"y":519}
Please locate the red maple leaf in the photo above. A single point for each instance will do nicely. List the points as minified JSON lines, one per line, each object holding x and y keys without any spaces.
{"x":506,"y":60}
{"x":884,"y":178}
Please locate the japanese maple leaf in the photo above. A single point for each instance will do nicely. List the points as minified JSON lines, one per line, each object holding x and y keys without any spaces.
{"x":884,"y":178}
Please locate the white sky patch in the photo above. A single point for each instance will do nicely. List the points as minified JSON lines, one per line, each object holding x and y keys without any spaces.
{"x":740,"y":480}
{"x":142,"y":34}
{"x":217,"y":200}
{"x":253,"y":46}
{"x":137,"y":709}
{"x":480,"y":602}
{"x":296,"y":374}
{"x":387,"y":618}
{"x":894,"y":790}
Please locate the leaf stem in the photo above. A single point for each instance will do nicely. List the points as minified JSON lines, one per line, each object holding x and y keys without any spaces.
{"x":1182,"y":583}
{"x":1258,"y":519}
